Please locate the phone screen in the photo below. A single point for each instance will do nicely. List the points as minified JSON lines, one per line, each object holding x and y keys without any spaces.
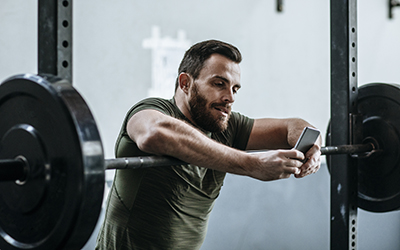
{"x":307,"y":139}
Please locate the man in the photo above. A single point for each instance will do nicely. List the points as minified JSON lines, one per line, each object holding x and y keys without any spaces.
{"x":168,"y":207}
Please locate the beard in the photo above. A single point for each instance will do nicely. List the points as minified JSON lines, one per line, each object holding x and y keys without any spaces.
{"x":202,"y":115}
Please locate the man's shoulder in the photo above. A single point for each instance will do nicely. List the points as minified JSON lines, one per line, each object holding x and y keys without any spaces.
{"x":166,"y":106}
{"x":154,"y":101}
{"x":238,"y":131}
{"x":237,"y":117}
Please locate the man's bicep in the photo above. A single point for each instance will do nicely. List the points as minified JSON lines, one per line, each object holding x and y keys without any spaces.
{"x":268,"y":133}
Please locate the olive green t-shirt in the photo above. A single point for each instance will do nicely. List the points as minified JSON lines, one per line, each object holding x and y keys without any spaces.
{"x":164,"y":207}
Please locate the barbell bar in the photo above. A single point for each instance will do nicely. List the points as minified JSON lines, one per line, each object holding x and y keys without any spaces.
{"x":52,"y":166}
{"x":18,"y":169}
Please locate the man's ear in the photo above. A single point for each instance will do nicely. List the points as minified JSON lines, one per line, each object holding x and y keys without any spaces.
{"x":185,"y":80}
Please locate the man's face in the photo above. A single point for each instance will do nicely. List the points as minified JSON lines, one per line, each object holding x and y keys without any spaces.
{"x":213,"y":93}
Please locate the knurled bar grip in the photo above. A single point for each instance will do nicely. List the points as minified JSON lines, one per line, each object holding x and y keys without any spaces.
{"x":142,"y":162}
{"x":347,"y":149}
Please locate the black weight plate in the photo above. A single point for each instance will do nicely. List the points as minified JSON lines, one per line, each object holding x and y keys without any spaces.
{"x":46,"y":121}
{"x":379,"y":174}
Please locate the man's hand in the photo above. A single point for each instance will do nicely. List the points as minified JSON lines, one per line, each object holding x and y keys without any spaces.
{"x":312,"y":163}
{"x":277,"y":164}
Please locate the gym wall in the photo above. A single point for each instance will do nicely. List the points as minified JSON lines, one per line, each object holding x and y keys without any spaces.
{"x":120,"y":49}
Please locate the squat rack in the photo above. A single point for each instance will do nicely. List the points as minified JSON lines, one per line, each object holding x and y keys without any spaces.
{"x":345,"y":124}
{"x":55,"y":58}
{"x":55,"y":38}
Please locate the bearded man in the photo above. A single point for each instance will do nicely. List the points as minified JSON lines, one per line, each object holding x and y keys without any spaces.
{"x":169,"y":207}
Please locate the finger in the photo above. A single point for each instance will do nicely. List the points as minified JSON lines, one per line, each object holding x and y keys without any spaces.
{"x":315,"y":150}
{"x":292,"y":170}
{"x":313,"y":157}
{"x":293,"y":166}
{"x":294,"y":163}
{"x":294,"y":154}
{"x":310,"y":167}
{"x":303,"y":173}
{"x":314,"y":163}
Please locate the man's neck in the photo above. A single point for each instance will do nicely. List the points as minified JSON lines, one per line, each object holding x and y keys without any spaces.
{"x":183,"y":105}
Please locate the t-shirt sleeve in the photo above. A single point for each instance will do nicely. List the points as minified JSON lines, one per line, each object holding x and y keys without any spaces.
{"x":164,"y":106}
{"x":124,"y":145}
{"x":238,"y":132}
{"x":244,"y":126}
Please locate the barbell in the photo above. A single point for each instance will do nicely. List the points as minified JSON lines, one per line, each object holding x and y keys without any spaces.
{"x":52,"y":166}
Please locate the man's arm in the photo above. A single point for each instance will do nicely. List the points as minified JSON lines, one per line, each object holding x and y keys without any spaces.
{"x":283,"y":133}
{"x":157,"y":133}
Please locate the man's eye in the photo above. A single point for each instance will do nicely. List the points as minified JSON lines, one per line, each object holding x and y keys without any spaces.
{"x":219,"y":84}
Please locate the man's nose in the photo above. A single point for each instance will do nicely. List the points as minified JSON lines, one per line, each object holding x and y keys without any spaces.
{"x":229,"y":96}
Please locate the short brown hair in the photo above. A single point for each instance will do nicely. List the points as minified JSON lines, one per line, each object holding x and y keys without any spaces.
{"x":194,"y":58}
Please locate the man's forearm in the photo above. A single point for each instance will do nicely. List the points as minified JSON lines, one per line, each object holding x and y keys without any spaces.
{"x":270,"y":133}
{"x":165,"y":135}
{"x":294,"y":128}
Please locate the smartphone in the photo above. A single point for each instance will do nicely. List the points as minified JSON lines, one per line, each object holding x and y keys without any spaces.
{"x":307,"y":139}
